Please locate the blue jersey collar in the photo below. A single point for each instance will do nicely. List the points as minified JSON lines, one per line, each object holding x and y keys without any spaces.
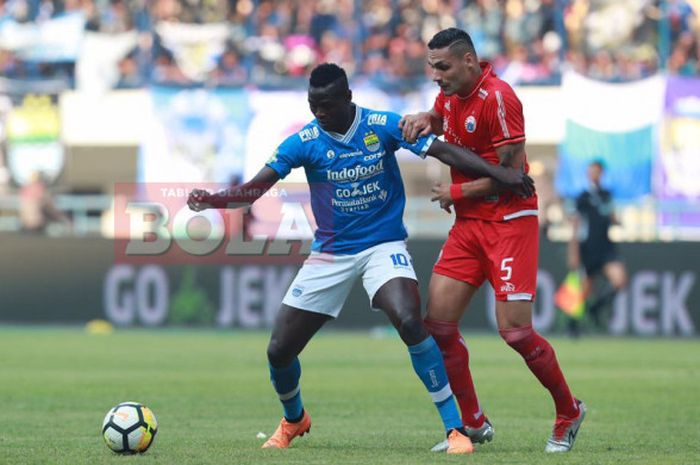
{"x":347,"y":137}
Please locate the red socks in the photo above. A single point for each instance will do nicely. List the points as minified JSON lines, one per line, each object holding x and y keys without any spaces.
{"x":456,"y":356}
{"x":542,"y":361}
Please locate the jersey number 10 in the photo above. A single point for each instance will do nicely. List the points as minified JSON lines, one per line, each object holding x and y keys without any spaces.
{"x":399,"y":259}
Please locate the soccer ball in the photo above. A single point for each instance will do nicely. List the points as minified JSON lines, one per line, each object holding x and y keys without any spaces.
{"x":129,"y":428}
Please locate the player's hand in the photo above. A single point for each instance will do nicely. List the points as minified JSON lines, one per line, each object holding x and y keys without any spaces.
{"x":414,"y":126}
{"x":515,"y":180}
{"x":441,"y":193}
{"x":198,"y":200}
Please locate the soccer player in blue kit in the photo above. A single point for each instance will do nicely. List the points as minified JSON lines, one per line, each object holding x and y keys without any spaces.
{"x":358,"y":199}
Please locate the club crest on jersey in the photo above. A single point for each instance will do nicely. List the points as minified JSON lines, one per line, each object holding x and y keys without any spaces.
{"x":372,"y":141}
{"x":470,"y":124}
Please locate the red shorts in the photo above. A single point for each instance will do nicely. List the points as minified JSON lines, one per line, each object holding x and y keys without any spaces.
{"x":504,"y":253}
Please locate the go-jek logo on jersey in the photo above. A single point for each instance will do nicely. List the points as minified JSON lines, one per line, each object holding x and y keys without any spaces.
{"x":355,"y":173}
{"x":309,"y":134}
{"x":356,"y":190}
{"x":376,"y":120}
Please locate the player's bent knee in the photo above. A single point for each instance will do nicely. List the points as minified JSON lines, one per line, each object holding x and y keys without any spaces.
{"x":517,"y":337}
{"x":442,"y":330}
{"x":412,"y":331}
{"x":278,"y":355}
{"x":531,"y":346}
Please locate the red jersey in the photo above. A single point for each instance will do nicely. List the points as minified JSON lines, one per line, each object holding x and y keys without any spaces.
{"x":489,"y":117}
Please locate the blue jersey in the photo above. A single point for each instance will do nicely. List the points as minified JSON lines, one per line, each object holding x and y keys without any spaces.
{"x":357,"y":194}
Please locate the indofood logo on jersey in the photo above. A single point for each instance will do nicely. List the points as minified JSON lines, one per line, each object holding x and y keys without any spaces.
{"x":372,"y":141}
{"x":470,"y":124}
{"x":355,"y":173}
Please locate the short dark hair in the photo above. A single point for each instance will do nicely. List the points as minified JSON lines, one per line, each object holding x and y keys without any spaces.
{"x":453,"y":38}
{"x":328,"y":73}
{"x":599,"y":162}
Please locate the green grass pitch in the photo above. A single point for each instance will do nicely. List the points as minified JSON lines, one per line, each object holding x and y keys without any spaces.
{"x":211,"y":394}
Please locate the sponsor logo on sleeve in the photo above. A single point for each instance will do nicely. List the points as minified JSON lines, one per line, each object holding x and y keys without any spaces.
{"x":376,"y":119}
{"x":308,"y":134}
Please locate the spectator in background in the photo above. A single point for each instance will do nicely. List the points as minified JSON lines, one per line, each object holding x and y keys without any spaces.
{"x":130,"y":76}
{"x":116,"y":17}
{"x":36,"y":206}
{"x":165,"y":69}
{"x":484,"y":20}
{"x":602,"y":67}
{"x":229,"y":70}
{"x":680,"y":17}
{"x":684,"y":56}
{"x":9,"y":66}
{"x":337,"y":49}
{"x":275,"y":42}
{"x":591,"y":247}
{"x":165,"y":10}
{"x":375,"y":69}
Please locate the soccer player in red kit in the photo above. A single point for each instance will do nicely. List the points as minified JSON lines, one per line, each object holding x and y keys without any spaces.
{"x":495,"y":235}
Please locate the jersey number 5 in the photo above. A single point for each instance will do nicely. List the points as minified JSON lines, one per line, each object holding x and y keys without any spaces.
{"x":506,"y":268}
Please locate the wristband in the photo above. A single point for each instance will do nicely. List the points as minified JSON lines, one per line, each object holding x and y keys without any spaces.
{"x":456,"y":191}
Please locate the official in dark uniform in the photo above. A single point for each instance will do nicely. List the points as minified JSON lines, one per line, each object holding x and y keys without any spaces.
{"x":591,"y":247}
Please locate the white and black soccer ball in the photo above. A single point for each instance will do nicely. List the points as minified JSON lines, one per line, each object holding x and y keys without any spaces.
{"x":129,"y":428}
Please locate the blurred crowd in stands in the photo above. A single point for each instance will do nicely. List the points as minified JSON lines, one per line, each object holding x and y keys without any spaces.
{"x":274,"y":41}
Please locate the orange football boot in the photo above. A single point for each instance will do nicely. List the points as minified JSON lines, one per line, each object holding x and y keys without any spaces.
{"x":287,"y":431}
{"x":459,"y":443}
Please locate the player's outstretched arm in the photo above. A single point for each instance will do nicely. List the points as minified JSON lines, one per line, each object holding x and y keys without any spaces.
{"x":507,"y":175}
{"x":235,"y":196}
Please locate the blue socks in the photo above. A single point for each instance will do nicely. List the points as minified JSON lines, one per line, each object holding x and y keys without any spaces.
{"x":427,"y":363}
{"x":430,"y":368}
{"x":286,"y":384}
